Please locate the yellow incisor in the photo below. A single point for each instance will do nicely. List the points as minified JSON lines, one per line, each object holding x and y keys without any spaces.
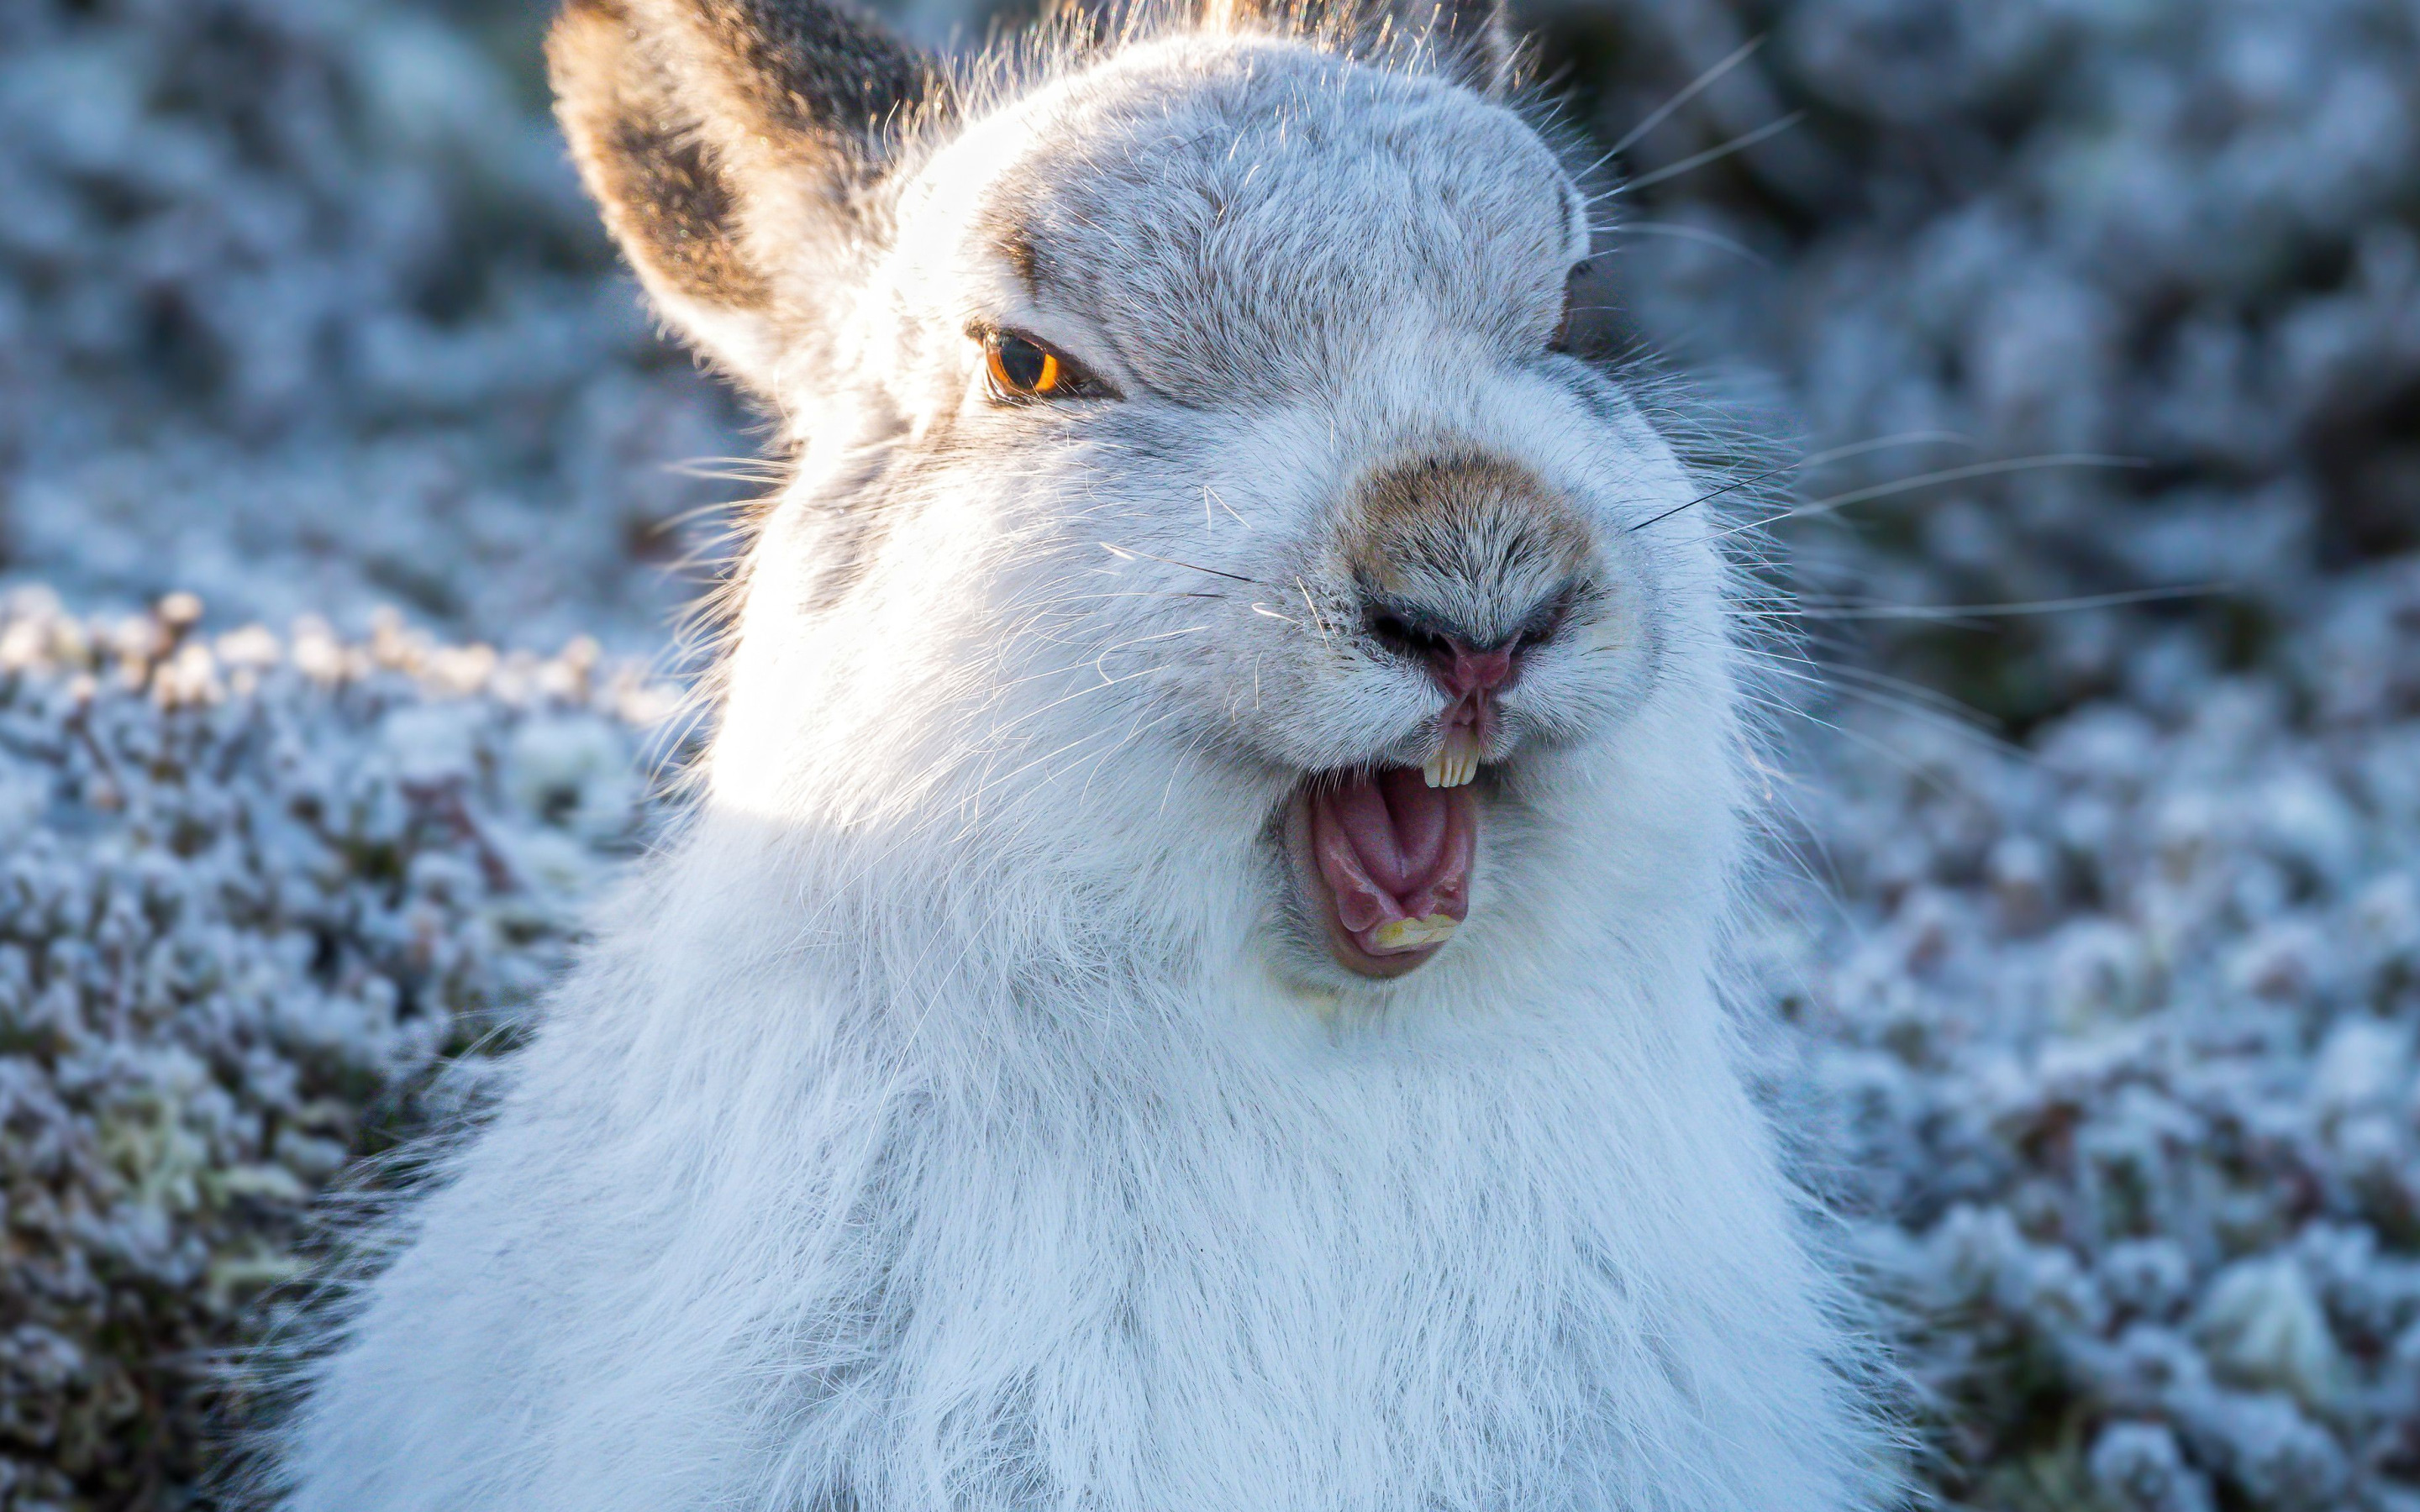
{"x":1410,"y":933}
{"x":1456,"y":760}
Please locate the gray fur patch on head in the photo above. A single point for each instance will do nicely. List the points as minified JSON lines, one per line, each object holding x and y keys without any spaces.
{"x":1249,"y":219}
{"x":1467,"y":40}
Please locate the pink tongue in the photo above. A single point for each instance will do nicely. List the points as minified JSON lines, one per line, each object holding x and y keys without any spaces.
{"x":1392,"y":847}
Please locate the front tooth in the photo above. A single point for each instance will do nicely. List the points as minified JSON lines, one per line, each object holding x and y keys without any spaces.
{"x":1456,"y":760}
{"x":1411,"y":934}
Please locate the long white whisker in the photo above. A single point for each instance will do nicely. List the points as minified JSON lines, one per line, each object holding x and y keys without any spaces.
{"x":1116,"y":550}
{"x":1712,"y":154}
{"x":1818,"y":460}
{"x":1927,"y":480}
{"x":1883,"y":444}
{"x":2036,"y":606}
{"x":1691,"y":233}
{"x":1694,"y":87}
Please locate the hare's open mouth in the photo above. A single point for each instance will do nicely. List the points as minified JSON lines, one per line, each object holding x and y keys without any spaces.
{"x":1383,"y":860}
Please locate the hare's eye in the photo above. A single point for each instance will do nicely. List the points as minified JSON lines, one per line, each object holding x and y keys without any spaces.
{"x":1021,"y":368}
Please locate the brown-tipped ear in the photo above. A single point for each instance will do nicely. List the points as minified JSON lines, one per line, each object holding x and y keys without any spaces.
{"x":735,"y":146}
{"x":1472,"y":39}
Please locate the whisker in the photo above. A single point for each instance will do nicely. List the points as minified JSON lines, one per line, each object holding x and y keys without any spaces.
{"x":1914,"y":693}
{"x":1882,"y":443}
{"x":1130,"y":554}
{"x":1713,"y":154}
{"x":695,"y":512}
{"x":1307,"y":604}
{"x":1695,"y":87}
{"x":729,"y":468}
{"x":1900,"y":759}
{"x":1910,"y":701}
{"x":1728,"y":488}
{"x":995,"y":782}
{"x":1145,"y":640}
{"x":1926,"y":480}
{"x":1963,"y":727}
{"x":1692,"y":233}
{"x":1908,"y":437}
{"x":2037,"y":606}
{"x":1134,"y":593}
{"x":1907,"y":764}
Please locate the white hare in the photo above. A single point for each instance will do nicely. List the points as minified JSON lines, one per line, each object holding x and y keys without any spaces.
{"x":1191,"y":982}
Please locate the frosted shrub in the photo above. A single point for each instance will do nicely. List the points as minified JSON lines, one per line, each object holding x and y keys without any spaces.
{"x":299,"y":308}
{"x":2175,"y":231}
{"x":253,"y":890}
{"x":2141,"y":1161}
{"x":298,"y":305}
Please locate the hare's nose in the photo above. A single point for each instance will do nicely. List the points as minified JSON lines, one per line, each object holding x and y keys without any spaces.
{"x":1465,"y":561}
{"x":1468,"y":668}
{"x":1463,"y":670}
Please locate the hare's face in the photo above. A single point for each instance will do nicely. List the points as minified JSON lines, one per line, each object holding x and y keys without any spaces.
{"x":1246,"y":356}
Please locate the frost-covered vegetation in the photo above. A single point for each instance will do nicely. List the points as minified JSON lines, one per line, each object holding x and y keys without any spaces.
{"x":2116,"y":1026}
{"x":301,"y":310}
{"x":2117,"y":1039}
{"x":253,"y":891}
{"x":2179,"y":233}
{"x":2108,"y":1036}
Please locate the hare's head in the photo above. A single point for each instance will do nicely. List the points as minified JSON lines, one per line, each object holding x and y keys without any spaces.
{"x":1188,"y":451}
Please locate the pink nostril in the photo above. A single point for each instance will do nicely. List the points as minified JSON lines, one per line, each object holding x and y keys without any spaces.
{"x":1463,"y":672}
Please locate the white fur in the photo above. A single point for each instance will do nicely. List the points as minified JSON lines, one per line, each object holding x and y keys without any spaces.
{"x":950,"y":1119}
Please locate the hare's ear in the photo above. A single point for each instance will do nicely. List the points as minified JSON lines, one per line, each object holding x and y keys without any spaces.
{"x":1472,"y":39}
{"x":737,"y":147}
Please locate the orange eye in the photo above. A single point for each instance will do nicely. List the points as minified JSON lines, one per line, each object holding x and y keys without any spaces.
{"x":1023,"y":368}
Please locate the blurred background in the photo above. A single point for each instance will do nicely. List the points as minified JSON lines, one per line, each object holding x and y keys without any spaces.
{"x":2096,"y":936}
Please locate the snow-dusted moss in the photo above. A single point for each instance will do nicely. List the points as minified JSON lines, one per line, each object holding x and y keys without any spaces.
{"x":301,"y":309}
{"x":253,"y":890}
{"x":298,"y":307}
{"x":2117,"y":1034}
{"x":2180,"y":232}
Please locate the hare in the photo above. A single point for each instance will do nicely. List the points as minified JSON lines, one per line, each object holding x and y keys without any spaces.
{"x":1190,"y":976}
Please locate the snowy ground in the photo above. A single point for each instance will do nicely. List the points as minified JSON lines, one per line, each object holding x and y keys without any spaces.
{"x":301,"y":310}
{"x":2116,"y":1033}
{"x":2109,"y":1032}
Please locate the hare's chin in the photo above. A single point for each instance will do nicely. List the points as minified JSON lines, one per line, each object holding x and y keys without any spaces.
{"x":1382,"y":861}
